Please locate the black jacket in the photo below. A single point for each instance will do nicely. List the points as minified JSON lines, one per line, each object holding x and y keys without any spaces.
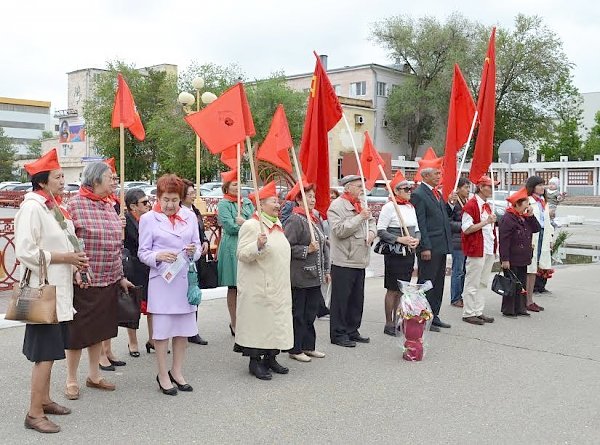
{"x":434,"y":224}
{"x":455,"y":216}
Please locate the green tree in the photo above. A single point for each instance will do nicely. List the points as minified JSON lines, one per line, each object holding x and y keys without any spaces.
{"x":34,"y":150}
{"x":591,"y":146}
{"x":7,"y":157}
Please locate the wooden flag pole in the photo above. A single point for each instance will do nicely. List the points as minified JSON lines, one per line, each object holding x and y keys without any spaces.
{"x":396,"y":206}
{"x":239,"y":188}
{"x":122,"y":171}
{"x":255,"y":183}
{"x":462,"y":162}
{"x":303,"y":193}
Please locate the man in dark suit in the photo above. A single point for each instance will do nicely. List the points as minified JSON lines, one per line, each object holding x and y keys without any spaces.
{"x":436,"y":237}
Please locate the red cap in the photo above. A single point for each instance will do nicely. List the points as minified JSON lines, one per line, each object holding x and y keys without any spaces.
{"x":517,"y":196}
{"x":229,"y":176}
{"x":431,"y":163}
{"x":268,"y":191}
{"x":295,"y":191}
{"x":111,"y":164}
{"x":397,"y":179}
{"x":486,"y":180}
{"x":46,"y":163}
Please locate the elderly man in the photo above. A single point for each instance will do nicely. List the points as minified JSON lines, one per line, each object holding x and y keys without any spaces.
{"x":436,"y":237}
{"x":479,"y":246}
{"x":352,"y":233}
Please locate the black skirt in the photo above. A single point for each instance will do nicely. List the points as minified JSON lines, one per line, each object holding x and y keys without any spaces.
{"x":254,"y":352}
{"x":45,"y":342}
{"x":397,"y":267}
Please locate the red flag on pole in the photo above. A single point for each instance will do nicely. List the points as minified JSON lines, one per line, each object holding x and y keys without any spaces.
{"x":461,"y":112}
{"x":125,"y":111}
{"x":370,"y":162}
{"x":229,"y":156}
{"x":323,"y":112}
{"x":276,"y":147}
{"x":486,"y":108}
{"x":225,"y":122}
{"x":429,"y":155}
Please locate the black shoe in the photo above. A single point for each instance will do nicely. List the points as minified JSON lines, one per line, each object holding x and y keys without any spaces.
{"x":117,"y":362}
{"x":172,"y":391}
{"x":358,"y":339}
{"x":258,"y":370}
{"x":197,"y":340}
{"x":434,"y":328}
{"x":389,"y":330}
{"x":440,"y":324}
{"x":344,"y":343}
{"x":186,"y":387}
{"x":106,"y":368}
{"x":149,"y":347}
{"x":510,"y":315}
{"x":270,"y":362}
{"x":526,"y":314}
{"x":133,"y":353}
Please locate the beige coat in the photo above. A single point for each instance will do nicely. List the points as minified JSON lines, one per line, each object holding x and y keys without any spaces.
{"x":264,"y":302}
{"x":348,"y":235}
{"x":37,"y":230}
{"x":545,"y":260}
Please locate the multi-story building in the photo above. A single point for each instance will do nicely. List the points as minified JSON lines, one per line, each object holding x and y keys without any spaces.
{"x":24,"y":121}
{"x":363,"y":91}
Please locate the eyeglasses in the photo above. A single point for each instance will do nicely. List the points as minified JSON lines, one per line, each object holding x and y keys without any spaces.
{"x":112,"y":178}
{"x":406,"y":189}
{"x":144,"y":202}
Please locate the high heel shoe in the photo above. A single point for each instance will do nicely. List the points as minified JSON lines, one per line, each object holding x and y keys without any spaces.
{"x":116,"y":362}
{"x":170,"y":392}
{"x":231,"y":330}
{"x":150,"y":347}
{"x":133,"y":353}
{"x":186,"y":387}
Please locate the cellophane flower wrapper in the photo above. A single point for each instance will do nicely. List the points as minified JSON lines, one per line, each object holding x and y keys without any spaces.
{"x":413,"y":319}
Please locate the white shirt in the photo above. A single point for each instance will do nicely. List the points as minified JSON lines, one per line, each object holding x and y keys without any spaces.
{"x":389,"y":218}
{"x":487,"y":230}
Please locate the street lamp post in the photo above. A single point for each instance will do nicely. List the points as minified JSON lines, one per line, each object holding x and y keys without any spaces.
{"x":187,"y":100}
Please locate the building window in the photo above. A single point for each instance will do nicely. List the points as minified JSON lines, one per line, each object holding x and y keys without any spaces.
{"x":358,"y":89}
{"x":382,"y":89}
{"x":24,"y":108}
{"x":56,"y":127}
{"x":338,"y":89}
{"x":384,"y":122}
{"x":28,"y":125}
{"x":339,"y":168}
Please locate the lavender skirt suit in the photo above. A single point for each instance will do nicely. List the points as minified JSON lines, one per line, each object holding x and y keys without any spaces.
{"x":172,"y":315}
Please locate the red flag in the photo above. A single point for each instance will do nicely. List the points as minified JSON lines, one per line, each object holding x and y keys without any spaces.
{"x":276,"y":147}
{"x":370,"y":162}
{"x":229,"y":156}
{"x":225,"y":122}
{"x":323,"y":112}
{"x":429,"y":155}
{"x":461,"y":112}
{"x":125,"y":111}
{"x":486,"y":108}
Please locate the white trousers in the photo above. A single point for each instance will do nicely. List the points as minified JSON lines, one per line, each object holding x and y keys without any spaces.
{"x":478,"y":270}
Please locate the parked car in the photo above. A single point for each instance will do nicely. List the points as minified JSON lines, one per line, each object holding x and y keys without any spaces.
{"x":211,"y":186}
{"x":72,"y":187}
{"x":149,"y":190}
{"x":218,"y":193}
{"x":23,"y":187}
{"x":7,"y":185}
{"x":135,"y":184}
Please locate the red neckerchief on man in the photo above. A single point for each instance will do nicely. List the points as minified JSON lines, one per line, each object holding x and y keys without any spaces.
{"x":172,"y":218}
{"x":51,"y":200}
{"x":486,"y":208}
{"x":354,"y":201}
{"x":300,"y":211}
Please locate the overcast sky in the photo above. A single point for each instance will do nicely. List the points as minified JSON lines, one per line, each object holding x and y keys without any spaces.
{"x":43,"y":40}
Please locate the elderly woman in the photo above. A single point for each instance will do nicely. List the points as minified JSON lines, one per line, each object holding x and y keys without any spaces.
{"x":39,"y":230}
{"x":264,"y":310}
{"x":230,"y":221}
{"x":169,"y":233}
{"x":542,"y":241}
{"x":137,"y":204}
{"x":399,"y":261}
{"x":516,"y":231}
{"x":188,"y":202}
{"x":310,"y":268}
{"x":95,"y":301}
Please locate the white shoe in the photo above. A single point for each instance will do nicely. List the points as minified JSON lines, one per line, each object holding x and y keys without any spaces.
{"x":315,"y":354}
{"x":302,"y":357}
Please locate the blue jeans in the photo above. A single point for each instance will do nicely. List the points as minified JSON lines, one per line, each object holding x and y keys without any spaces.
{"x":457,"y":281}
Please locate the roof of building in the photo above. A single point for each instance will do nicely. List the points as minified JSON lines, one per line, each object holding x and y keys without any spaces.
{"x":391,"y":68}
{"x":32,"y":103}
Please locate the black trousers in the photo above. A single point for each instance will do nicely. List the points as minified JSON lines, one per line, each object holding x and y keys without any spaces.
{"x":305,"y":305}
{"x":435,"y":271}
{"x":347,"y":300}
{"x":516,"y":304}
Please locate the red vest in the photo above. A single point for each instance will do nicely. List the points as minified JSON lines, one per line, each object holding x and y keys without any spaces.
{"x":472,"y":244}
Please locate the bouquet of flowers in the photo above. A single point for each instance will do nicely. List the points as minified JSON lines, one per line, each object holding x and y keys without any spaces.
{"x":413,"y":318}
{"x":545,"y":273}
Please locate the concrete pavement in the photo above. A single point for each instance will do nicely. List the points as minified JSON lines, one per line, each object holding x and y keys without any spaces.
{"x":524,"y":381}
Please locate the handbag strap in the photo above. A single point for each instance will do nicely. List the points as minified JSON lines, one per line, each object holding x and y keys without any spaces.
{"x":510,"y":274}
{"x":43,"y":270}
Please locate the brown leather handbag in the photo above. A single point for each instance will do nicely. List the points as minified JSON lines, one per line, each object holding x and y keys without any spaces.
{"x":34,"y":305}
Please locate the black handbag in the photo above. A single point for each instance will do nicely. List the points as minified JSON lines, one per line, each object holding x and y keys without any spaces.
{"x":384,"y":248}
{"x":128,"y":305}
{"x":207,"y":271}
{"x":506,"y":285}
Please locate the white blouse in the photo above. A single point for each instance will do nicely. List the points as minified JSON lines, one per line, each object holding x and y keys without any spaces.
{"x":389,"y":218}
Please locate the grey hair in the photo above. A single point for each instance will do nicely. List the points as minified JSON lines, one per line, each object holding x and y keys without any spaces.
{"x":133,"y":196}
{"x":401,"y":184}
{"x":92,"y":173}
{"x":428,"y":171}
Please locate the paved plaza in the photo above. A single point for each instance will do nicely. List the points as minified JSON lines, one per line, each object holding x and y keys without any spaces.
{"x":526,"y":381}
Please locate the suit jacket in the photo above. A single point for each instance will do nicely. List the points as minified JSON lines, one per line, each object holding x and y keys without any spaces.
{"x":433,"y":221}
{"x":157,"y":234}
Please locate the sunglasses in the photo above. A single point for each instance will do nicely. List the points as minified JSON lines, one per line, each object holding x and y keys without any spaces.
{"x":406,"y":189}
{"x":145,"y":202}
